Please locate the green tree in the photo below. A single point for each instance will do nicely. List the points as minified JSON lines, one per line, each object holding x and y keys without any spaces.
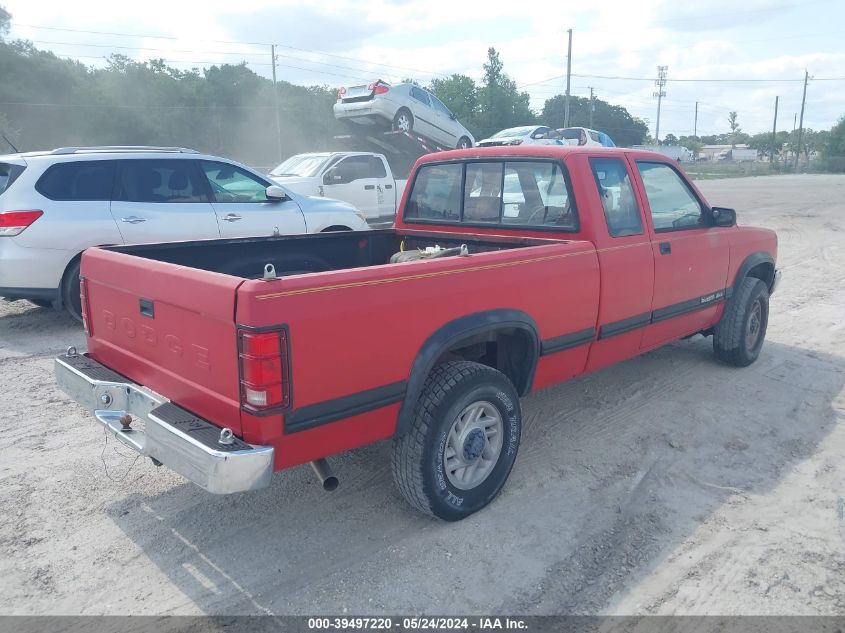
{"x":670,"y":139}
{"x":501,"y":105}
{"x":735,"y":128}
{"x":835,"y":145}
{"x":5,"y":19}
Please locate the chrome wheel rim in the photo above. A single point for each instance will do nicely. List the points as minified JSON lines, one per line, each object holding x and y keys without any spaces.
{"x":464,"y":144}
{"x":403,"y":123}
{"x":473,"y":445}
{"x":754,"y":326}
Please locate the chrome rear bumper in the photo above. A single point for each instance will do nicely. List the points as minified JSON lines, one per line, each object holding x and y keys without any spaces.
{"x":173,"y":436}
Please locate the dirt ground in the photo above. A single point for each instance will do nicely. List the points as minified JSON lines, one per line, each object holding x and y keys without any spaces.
{"x":670,"y":484}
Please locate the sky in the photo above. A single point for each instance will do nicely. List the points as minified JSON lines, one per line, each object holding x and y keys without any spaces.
{"x":712,"y":48}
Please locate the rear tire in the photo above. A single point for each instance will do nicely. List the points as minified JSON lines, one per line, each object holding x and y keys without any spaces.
{"x":70,"y":291}
{"x":403,"y":121}
{"x":464,"y":143}
{"x":462,"y":442}
{"x":738,"y":337}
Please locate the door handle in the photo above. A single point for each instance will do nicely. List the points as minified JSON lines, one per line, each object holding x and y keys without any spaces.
{"x":133,"y":219}
{"x":665,"y":248}
{"x":388,"y":186}
{"x":369,"y":187}
{"x":232,"y":217}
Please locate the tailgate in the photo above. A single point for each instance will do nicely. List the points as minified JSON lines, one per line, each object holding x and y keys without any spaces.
{"x":168,"y":327}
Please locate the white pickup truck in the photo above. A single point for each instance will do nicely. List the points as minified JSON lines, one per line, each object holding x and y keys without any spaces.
{"x":362,"y":179}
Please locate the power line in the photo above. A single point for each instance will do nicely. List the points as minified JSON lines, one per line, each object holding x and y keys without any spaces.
{"x":166,"y":50}
{"x":173,"y":38}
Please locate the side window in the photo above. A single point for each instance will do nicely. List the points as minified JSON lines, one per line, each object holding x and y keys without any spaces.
{"x":540,"y":132}
{"x":377,"y":169}
{"x":436,"y":193}
{"x":79,"y":180}
{"x":438,"y":105}
{"x":673,"y":205}
{"x":232,"y":184}
{"x":420,"y":95}
{"x":483,"y":192}
{"x":355,"y":168}
{"x":595,"y":137}
{"x":536,"y":195}
{"x":617,"y":197}
{"x":159,"y":181}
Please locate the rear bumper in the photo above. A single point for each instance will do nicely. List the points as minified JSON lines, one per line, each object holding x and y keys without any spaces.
{"x":378,"y":108}
{"x":171,"y":435}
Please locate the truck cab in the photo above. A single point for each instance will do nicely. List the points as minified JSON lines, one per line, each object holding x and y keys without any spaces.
{"x":508,"y":270}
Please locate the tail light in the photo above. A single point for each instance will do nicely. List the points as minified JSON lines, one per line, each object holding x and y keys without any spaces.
{"x":14,"y":222}
{"x":341,"y":92}
{"x":265,"y":383}
{"x":83,"y":298}
{"x":377,"y":87}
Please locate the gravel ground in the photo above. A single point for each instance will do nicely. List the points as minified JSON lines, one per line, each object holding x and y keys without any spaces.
{"x":669,"y":484}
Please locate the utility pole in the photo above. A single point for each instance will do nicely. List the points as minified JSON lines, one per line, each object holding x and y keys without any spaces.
{"x":592,"y":107}
{"x":695,"y":132}
{"x":774,"y":133}
{"x":568,"y":78}
{"x":801,"y":120}
{"x":276,"y":102}
{"x":660,"y":82}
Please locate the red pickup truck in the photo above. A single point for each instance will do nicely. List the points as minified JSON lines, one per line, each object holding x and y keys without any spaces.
{"x":507,"y":270}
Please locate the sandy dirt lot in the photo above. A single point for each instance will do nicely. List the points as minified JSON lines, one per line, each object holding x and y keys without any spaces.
{"x":670,"y":484}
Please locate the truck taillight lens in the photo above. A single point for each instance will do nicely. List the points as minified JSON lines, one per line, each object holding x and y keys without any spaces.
{"x":341,"y":92}
{"x":83,"y":299}
{"x":13,"y":222}
{"x":265,"y":383}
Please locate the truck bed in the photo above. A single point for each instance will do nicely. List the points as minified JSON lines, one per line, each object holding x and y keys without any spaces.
{"x":320,"y":252}
{"x":169,"y":317}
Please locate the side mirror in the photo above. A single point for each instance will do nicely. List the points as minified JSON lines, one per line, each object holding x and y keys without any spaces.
{"x":723,"y":216}
{"x":275,"y":192}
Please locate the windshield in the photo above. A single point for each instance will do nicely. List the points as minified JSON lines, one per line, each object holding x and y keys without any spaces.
{"x":515,"y":131}
{"x":304,"y":165}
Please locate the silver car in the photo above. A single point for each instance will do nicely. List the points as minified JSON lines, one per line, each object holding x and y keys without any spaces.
{"x":407,"y":107}
{"x":53,"y":205}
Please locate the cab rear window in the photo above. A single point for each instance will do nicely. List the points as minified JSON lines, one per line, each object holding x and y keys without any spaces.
{"x":8,"y":175}
{"x":525,"y":193}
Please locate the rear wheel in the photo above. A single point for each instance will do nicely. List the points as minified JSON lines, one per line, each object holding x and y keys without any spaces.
{"x":462,"y":443}
{"x":403,"y":121}
{"x":70,"y":291}
{"x":464,"y":143}
{"x":738,"y":337}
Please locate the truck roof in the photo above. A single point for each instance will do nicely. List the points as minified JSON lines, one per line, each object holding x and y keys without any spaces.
{"x":538,"y":151}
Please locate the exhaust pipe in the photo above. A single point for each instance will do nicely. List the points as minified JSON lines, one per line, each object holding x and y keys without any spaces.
{"x":324,"y":474}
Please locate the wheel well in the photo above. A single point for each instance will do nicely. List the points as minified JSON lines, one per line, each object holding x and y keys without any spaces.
{"x":335,"y":227}
{"x":508,"y":350}
{"x":764,"y":272}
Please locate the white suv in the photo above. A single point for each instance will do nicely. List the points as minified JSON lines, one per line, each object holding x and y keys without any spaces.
{"x":53,"y":205}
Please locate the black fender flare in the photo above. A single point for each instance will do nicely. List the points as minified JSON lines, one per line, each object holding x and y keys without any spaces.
{"x":754,"y":259}
{"x":453,"y":332}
